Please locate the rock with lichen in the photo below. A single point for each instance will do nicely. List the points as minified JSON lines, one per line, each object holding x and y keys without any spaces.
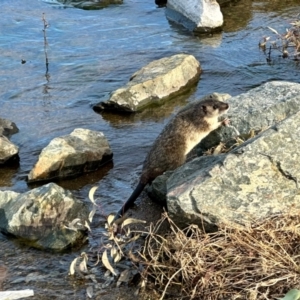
{"x":42,"y":217}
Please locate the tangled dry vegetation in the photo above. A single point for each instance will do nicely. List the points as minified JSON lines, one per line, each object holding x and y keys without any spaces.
{"x":261,"y":262}
{"x":287,"y":43}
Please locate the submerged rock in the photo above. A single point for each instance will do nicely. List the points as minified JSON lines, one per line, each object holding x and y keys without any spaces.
{"x":80,"y":152}
{"x":253,"y":181}
{"x":200,"y":16}
{"x":155,"y":82}
{"x":8,"y":151}
{"x":8,"y":128}
{"x":41,"y":215}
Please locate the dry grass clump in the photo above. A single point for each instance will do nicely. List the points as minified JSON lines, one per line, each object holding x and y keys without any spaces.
{"x":262,"y":262}
{"x":284,"y":42}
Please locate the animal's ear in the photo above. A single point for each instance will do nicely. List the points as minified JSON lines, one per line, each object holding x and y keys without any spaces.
{"x":204,"y":108}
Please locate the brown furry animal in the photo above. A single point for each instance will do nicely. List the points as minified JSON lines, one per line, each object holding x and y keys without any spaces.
{"x":177,"y":139}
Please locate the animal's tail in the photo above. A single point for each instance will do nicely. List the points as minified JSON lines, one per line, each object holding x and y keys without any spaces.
{"x":130,"y":200}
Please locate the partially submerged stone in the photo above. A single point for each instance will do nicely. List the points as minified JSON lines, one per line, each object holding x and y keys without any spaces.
{"x":200,"y":16}
{"x":159,"y":80}
{"x":258,"y":179}
{"x":41,"y":216}
{"x":80,"y":152}
{"x":7,"y":127}
{"x":8,"y":151}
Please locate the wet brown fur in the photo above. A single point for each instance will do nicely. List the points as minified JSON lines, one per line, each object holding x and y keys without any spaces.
{"x":177,"y":139}
{"x":179,"y":136}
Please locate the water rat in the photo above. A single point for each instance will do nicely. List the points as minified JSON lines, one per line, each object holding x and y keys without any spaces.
{"x":193,"y":123}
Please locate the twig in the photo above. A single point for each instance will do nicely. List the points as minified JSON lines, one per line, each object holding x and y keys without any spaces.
{"x":168,"y":283}
{"x":269,"y":54}
{"x":46,"y":25}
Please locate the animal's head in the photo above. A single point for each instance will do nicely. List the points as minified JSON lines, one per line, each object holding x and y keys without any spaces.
{"x":213,"y":108}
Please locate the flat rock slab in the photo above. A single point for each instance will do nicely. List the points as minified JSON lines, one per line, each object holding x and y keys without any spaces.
{"x":258,"y":179}
{"x":80,"y":152}
{"x":159,"y":80}
{"x":41,"y":216}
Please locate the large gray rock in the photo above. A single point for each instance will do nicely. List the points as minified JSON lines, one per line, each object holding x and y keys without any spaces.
{"x":263,"y":106}
{"x":8,"y":150}
{"x":202,"y":16}
{"x":258,"y":179}
{"x":41,"y":216}
{"x":258,"y":109}
{"x":82,"y":151}
{"x":155,"y":82}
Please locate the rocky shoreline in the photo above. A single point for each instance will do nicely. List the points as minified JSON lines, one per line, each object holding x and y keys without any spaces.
{"x":258,"y":178}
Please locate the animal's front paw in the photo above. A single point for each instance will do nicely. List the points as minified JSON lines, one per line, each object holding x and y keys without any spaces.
{"x":226,"y":122}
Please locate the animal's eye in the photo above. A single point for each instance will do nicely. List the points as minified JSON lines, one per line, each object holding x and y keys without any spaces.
{"x":215,"y":107}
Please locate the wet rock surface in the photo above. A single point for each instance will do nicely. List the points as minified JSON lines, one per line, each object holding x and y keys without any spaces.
{"x":257,"y":110}
{"x":80,"y":152}
{"x":41,"y":215}
{"x":8,"y":151}
{"x":159,"y":80}
{"x":201,"y":16}
{"x":7,"y":127}
{"x":253,"y":181}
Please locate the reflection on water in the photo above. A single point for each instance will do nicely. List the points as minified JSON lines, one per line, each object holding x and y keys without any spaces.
{"x":93,"y":52}
{"x":277,"y":6}
{"x":95,"y":4}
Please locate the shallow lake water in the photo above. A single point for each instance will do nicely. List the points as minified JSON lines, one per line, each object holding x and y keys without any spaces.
{"x":91,"y":53}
